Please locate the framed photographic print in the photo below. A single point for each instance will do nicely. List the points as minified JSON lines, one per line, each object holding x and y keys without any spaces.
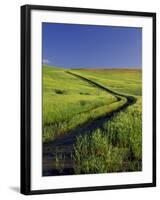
{"x":88,"y":99}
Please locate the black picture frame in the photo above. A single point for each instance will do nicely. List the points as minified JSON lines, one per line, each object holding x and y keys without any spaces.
{"x":26,"y":98}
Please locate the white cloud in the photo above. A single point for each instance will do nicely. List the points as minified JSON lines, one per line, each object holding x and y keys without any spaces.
{"x":45,"y":61}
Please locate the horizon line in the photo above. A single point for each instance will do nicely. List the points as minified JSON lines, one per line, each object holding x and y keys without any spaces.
{"x":134,"y":67}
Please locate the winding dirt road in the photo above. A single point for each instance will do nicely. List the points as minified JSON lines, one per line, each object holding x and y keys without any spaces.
{"x":63,"y":146}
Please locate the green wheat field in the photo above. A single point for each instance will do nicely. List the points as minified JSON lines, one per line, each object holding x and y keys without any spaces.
{"x":92,"y":121}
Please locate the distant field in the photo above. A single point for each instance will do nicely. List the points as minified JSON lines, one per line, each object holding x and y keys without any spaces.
{"x":127,"y":81}
{"x":70,"y":101}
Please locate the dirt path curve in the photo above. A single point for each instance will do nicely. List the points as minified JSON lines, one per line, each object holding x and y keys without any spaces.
{"x":63,"y":146}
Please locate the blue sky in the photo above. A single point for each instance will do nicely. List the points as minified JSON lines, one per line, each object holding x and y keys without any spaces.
{"x":87,"y":46}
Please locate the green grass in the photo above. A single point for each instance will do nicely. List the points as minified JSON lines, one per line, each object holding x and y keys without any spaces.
{"x":125,"y":81}
{"x":115,"y":148}
{"x":69,"y":102}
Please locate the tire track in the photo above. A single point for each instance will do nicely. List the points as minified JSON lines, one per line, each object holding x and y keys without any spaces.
{"x":63,"y":146}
